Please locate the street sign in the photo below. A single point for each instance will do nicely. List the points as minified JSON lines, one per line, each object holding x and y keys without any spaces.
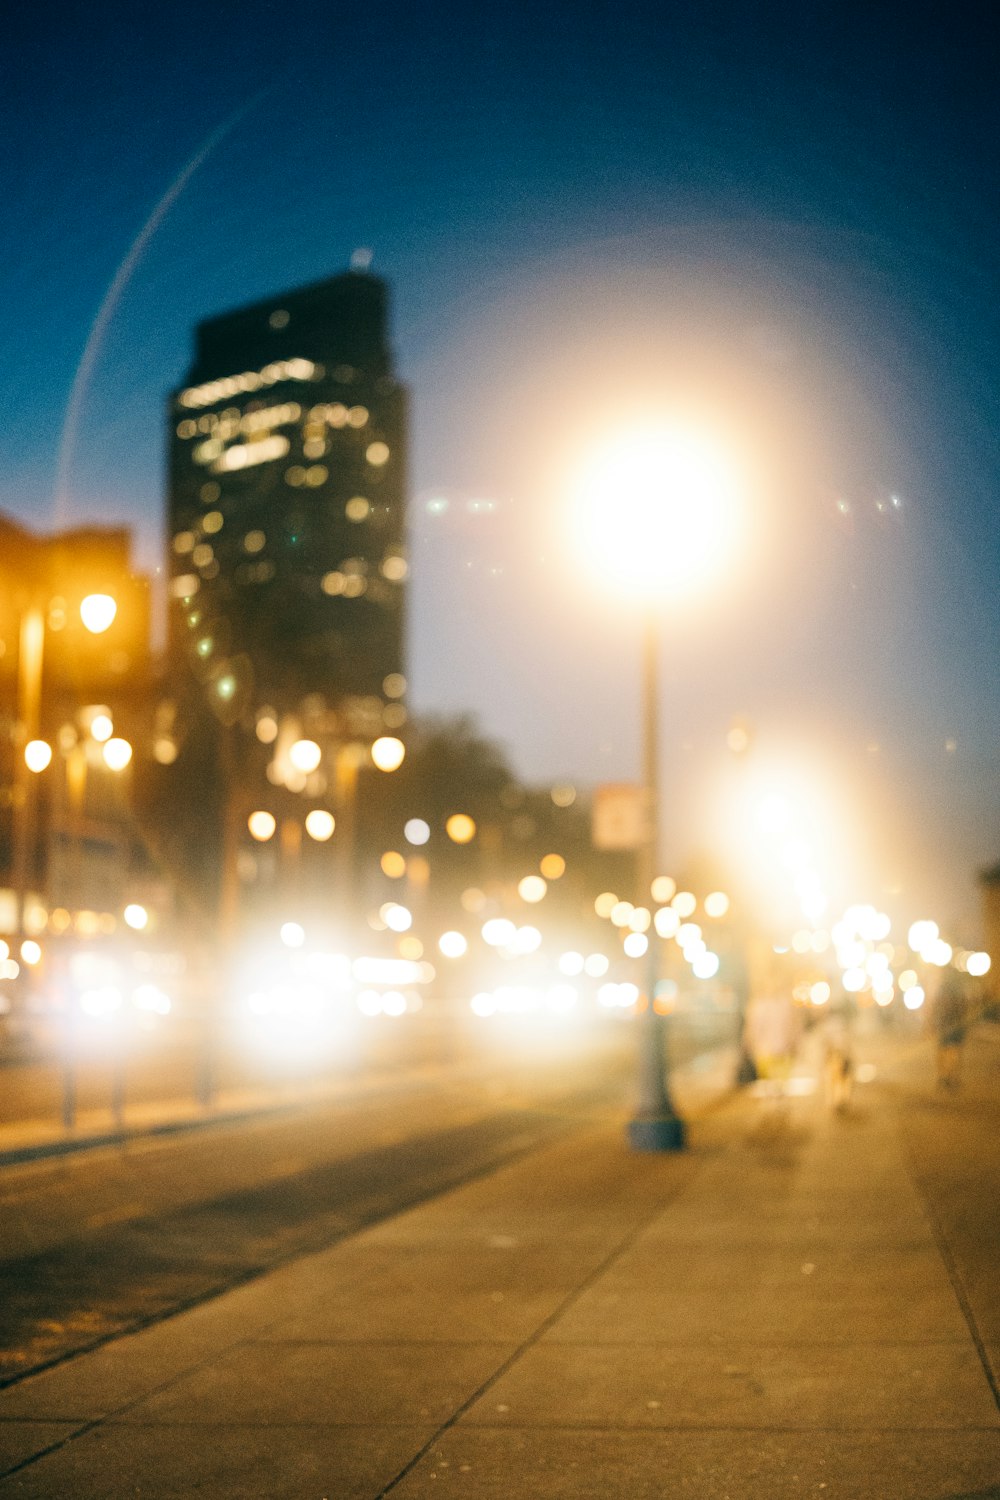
{"x":617,"y":817}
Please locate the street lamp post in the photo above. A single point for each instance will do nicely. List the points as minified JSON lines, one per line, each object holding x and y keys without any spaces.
{"x":654,"y":510}
{"x":655,"y":1125}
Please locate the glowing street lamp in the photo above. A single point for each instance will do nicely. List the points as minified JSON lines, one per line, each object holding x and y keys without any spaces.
{"x":655,"y":513}
{"x":97,"y":611}
{"x":37,"y":755}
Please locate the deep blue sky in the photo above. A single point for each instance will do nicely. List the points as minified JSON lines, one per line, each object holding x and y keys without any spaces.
{"x":790,"y":209}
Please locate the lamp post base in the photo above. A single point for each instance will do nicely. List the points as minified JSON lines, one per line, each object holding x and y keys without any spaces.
{"x":661,"y":1133}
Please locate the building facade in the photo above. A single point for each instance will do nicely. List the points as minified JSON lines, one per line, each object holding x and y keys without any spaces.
{"x":68,"y":844}
{"x":287,"y":489}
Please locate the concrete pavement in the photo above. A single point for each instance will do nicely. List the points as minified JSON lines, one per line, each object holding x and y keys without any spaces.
{"x":771,"y":1314}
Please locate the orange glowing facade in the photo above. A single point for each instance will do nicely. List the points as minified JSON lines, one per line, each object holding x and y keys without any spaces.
{"x":67,"y":838}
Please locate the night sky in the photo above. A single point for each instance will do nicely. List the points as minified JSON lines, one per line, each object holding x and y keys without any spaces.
{"x":783,"y":217}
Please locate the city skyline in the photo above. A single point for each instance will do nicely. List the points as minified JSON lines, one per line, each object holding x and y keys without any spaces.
{"x":813,"y":260}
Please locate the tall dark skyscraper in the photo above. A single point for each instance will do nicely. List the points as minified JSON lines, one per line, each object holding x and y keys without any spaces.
{"x":287,"y":510}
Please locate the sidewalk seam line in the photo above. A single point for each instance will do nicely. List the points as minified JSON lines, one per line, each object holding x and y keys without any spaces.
{"x":529,"y":1343}
{"x":214,"y":1355}
{"x":950,"y":1266}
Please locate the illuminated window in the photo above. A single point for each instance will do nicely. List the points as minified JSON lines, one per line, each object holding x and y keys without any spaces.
{"x":357,"y":416}
{"x":245,"y":455}
{"x":183,"y":542}
{"x":295,"y":476}
{"x":377,"y":454}
{"x":279,"y":318}
{"x":267,"y":417}
{"x":316,"y":475}
{"x":254,"y":541}
{"x":211,"y":522}
{"x":210,"y":491}
{"x":394,"y":568}
{"x":333,"y":583}
{"x":202,"y":555}
{"x":357,"y":508}
{"x":217,"y":390}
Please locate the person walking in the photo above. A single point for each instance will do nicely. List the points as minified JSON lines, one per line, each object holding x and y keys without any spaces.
{"x":772,"y":1031}
{"x":835,"y":1031}
{"x":950,"y":1021}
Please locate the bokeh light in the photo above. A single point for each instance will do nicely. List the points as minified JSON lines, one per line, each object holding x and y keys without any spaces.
{"x":320,"y":824}
{"x":667,"y":922}
{"x":388,"y":753}
{"x":532,"y":888}
{"x":716,"y":904}
{"x":452,"y":944}
{"x":37,"y":755}
{"x":305,"y":756}
{"x":117,"y":754}
{"x":460,"y":828}
{"x":262,"y":825}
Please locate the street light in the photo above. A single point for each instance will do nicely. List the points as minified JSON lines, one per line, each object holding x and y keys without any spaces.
{"x":97,"y":611}
{"x":656,"y":513}
{"x":37,"y":755}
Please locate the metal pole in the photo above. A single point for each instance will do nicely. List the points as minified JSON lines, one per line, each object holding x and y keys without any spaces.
{"x":655,"y":1125}
{"x":346,"y":769}
{"x":31,"y":649}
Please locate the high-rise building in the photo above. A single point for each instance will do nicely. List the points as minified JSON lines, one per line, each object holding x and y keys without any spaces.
{"x":287,"y":510}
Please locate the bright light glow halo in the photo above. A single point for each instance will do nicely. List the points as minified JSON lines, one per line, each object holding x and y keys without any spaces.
{"x":658,"y":509}
{"x":98,"y":611}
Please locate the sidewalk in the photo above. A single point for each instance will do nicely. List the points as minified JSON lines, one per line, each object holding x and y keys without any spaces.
{"x":767,"y":1315}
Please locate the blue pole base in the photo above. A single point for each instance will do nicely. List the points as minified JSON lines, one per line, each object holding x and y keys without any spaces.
{"x":662,"y":1134}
